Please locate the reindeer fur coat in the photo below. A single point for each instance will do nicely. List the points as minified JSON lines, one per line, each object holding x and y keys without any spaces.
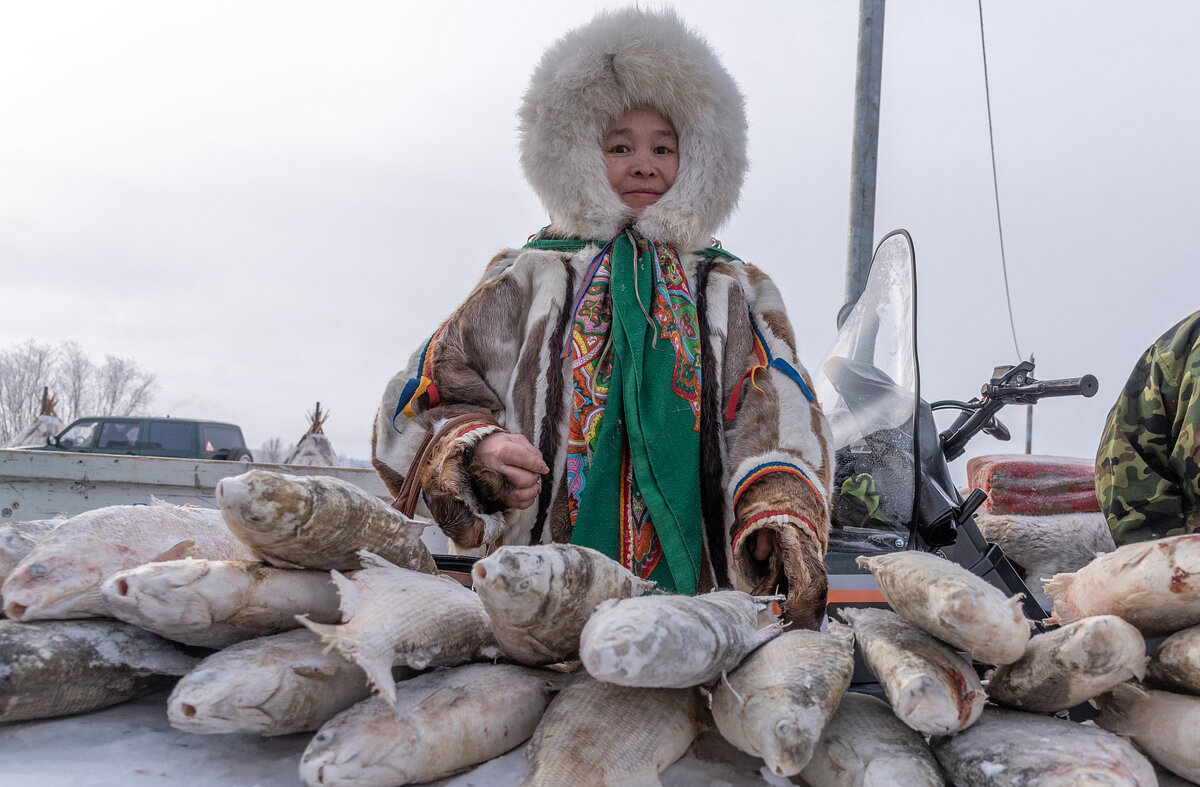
{"x":765,"y":462}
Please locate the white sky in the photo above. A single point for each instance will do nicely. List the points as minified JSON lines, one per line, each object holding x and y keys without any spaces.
{"x":268,"y":204}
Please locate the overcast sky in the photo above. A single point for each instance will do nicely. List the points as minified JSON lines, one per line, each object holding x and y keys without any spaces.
{"x":267,"y":204}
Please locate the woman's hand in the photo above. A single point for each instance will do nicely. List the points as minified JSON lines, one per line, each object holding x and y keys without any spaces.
{"x":515,"y":458}
{"x":764,"y":544}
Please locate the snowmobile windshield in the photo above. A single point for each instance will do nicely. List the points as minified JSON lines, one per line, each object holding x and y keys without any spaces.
{"x":868,"y":388}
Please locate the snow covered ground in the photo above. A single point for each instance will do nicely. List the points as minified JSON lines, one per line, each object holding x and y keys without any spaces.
{"x":132,"y":745}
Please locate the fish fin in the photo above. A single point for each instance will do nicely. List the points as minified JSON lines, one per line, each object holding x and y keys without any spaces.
{"x":1113,"y":706}
{"x":641,"y":586}
{"x":847,"y":614}
{"x":369,"y":559}
{"x":767,"y":633}
{"x":841,"y":632}
{"x":725,"y":679}
{"x":379,"y":673}
{"x":863,"y":561}
{"x":1058,"y":585}
{"x":444,"y":698}
{"x":328,"y":632}
{"x":1139,"y":671}
{"x":178,"y":552}
{"x":347,"y":594}
{"x":315,"y":670}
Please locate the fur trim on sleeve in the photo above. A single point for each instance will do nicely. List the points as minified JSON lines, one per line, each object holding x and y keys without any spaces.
{"x":619,"y":60}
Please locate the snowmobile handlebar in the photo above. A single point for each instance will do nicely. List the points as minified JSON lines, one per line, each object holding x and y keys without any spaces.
{"x":1009,"y":385}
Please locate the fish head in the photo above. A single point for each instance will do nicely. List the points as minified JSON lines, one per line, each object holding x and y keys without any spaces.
{"x":172,"y":592}
{"x":618,"y":650}
{"x":62,"y":580}
{"x":515,"y":581}
{"x":359,"y":746}
{"x":786,"y":730}
{"x":221,"y":698}
{"x":267,"y":508}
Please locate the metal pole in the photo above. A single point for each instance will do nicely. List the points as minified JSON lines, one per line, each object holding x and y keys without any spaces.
{"x":865,"y":151}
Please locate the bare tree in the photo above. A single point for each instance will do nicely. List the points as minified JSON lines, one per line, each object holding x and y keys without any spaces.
{"x":72,"y":381}
{"x":117,"y":387}
{"x":24,"y":371}
{"x":273,"y":450}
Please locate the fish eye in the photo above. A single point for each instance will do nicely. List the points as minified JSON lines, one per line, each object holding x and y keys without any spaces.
{"x":38,"y":570}
{"x":524,"y":584}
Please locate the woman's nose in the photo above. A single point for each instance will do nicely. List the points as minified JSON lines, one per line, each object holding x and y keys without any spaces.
{"x":643,"y":165}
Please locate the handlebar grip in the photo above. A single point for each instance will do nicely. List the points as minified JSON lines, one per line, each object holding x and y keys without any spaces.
{"x":1085,"y":386}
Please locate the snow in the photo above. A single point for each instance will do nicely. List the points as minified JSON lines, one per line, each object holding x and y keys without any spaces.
{"x":132,"y":745}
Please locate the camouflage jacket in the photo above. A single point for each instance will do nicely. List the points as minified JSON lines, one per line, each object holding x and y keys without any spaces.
{"x":1148,"y":464}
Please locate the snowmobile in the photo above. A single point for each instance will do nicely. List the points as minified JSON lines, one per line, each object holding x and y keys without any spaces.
{"x":892,"y":487}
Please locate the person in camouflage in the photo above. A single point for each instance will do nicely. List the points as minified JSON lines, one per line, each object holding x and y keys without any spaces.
{"x":1148,"y":464}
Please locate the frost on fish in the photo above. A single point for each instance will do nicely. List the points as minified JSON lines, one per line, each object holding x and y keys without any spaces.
{"x":1070,"y":665}
{"x":1155,"y":585}
{"x":668,"y":641}
{"x":865,"y":745}
{"x":954,"y":605}
{"x":1008,"y":748}
{"x":61,"y":667}
{"x":1166,"y":726}
{"x":17,"y":539}
{"x":777,"y":702}
{"x":440,"y":723}
{"x":393,"y":616}
{"x":273,"y":685}
{"x":216,"y":603}
{"x":1175,"y":663}
{"x":596,"y":733}
{"x":539,"y":597}
{"x":318,"y":522}
{"x":61,"y":577}
{"x":931,"y":688}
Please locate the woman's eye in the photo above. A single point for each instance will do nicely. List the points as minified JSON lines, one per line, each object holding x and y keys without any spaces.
{"x":619,"y":149}
{"x":663,"y":151}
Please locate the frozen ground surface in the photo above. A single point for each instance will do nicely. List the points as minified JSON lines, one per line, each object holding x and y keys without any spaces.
{"x":132,"y":745}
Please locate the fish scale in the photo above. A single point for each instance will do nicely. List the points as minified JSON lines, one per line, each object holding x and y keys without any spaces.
{"x":273,"y":685}
{"x":397,"y":617}
{"x":216,"y":603}
{"x":540,"y":597}
{"x":776,"y":703}
{"x":599,"y":733}
{"x":954,"y":605}
{"x":61,"y":577}
{"x":865,"y":744}
{"x":1008,"y":748}
{"x":670,"y":641}
{"x":440,"y":723}
{"x":931,"y":688}
{"x":318,"y":522}
{"x":60,"y":667}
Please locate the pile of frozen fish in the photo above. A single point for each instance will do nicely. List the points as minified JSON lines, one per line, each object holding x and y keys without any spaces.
{"x":305,"y":604}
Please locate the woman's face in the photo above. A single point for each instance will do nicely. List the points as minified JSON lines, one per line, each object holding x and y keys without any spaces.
{"x":641,"y":156}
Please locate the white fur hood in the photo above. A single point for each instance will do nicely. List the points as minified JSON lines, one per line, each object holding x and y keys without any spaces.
{"x":591,"y":75}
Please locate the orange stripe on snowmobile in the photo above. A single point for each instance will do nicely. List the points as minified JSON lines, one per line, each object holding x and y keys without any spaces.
{"x":847,"y":596}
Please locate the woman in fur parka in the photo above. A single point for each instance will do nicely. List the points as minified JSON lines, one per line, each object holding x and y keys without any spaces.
{"x":621,"y":381}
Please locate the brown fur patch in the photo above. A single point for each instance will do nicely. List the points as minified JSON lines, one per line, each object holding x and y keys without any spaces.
{"x":525,"y":380}
{"x":779,"y":325}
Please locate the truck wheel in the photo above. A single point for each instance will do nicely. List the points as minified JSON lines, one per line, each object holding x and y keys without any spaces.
{"x":239,"y":454}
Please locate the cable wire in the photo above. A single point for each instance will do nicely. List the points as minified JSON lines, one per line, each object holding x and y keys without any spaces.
{"x":996,"y":184}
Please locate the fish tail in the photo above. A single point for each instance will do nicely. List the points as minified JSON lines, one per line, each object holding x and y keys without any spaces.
{"x":328,"y":632}
{"x":1114,"y":706}
{"x":1058,"y":585}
